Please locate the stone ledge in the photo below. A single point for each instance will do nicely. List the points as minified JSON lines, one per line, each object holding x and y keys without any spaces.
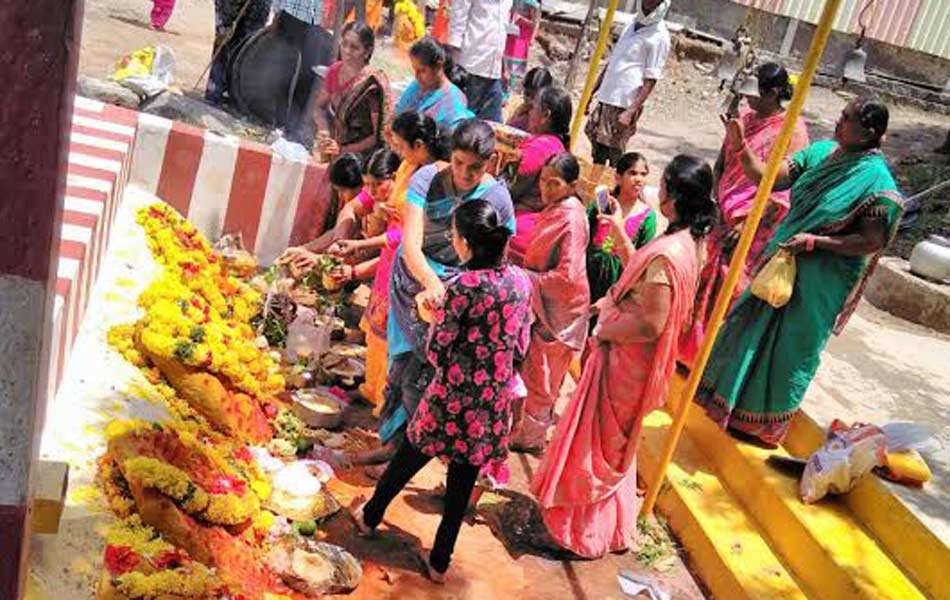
{"x":893,"y":288}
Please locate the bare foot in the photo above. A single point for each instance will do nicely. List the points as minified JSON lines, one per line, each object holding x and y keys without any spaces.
{"x":356,"y":510}
{"x":433,"y":575}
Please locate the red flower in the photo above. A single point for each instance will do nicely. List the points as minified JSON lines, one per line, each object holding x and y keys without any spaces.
{"x":170,"y":559}
{"x":270,"y":410}
{"x":243,"y":454}
{"x":226,"y":484}
{"x":120,"y":559}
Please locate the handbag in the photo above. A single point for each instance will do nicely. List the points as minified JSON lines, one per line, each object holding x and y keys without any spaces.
{"x":775,"y":282}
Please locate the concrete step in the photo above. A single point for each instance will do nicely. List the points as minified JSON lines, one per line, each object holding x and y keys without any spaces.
{"x":825,"y":545}
{"x":730,"y":555}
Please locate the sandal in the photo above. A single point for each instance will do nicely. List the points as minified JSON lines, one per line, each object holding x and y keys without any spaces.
{"x":356,"y":511}
{"x":433,"y":575}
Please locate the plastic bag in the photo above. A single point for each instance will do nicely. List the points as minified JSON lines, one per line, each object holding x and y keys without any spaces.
{"x":848,"y":454}
{"x":775,"y":283}
{"x":305,"y":337}
{"x":146,"y":71}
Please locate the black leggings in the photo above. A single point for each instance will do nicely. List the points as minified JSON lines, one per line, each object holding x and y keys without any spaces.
{"x":458,"y":490}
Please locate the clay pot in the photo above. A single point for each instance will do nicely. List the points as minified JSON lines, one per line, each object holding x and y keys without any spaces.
{"x":931,"y":258}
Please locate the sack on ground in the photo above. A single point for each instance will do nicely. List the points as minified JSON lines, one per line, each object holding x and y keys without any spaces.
{"x":849,"y":453}
{"x":775,"y":283}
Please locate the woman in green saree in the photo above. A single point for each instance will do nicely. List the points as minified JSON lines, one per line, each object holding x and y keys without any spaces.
{"x":845,"y":208}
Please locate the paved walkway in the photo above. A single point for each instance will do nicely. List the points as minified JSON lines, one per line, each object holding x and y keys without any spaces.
{"x":883,"y":369}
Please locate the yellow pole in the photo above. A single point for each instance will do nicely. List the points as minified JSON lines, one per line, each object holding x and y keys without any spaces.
{"x":592,"y":73}
{"x":742,"y":249}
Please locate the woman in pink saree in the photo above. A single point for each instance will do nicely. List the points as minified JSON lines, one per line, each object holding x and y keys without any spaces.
{"x":735,"y":192}
{"x":557,"y":266}
{"x":586,"y":484}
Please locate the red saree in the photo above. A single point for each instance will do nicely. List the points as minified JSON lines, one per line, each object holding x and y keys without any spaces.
{"x":587,"y":482}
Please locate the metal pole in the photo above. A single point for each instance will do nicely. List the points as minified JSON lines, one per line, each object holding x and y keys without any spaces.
{"x":592,"y":73}
{"x":579,"y":45}
{"x":742,"y":249}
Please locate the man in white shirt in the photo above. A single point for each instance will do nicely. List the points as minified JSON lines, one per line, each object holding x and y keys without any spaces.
{"x":635,"y":65}
{"x":478,"y":30}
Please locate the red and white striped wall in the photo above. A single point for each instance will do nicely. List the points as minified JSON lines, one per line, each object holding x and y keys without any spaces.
{"x":100,"y":154}
{"x":225,"y":185}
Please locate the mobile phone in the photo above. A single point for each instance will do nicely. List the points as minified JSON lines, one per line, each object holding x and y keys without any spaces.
{"x":602,"y":197}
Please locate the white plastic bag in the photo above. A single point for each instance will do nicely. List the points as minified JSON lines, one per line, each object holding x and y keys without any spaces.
{"x":146,"y":71}
{"x":306,"y":336}
{"x":849,"y":453}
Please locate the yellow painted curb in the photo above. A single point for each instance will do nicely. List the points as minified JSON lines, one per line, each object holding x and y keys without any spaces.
{"x":725,"y":548}
{"x":824,"y":544}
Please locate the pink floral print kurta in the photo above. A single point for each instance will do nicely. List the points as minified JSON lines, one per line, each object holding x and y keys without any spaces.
{"x":476,"y":343}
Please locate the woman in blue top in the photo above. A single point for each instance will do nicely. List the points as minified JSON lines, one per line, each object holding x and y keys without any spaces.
{"x":432,"y":93}
{"x":427,"y":258}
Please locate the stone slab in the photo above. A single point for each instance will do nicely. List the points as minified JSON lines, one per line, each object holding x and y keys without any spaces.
{"x":893,"y":288}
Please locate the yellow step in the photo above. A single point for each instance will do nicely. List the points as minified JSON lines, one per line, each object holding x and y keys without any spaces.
{"x":910,"y":543}
{"x":823,"y":544}
{"x":725,"y":547}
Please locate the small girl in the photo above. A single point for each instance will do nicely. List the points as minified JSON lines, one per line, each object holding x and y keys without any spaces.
{"x":374,"y":214}
{"x":535,"y":80}
{"x":477,"y":338}
{"x":525,"y":19}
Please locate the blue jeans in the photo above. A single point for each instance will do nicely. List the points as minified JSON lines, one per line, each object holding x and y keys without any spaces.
{"x":484,"y":97}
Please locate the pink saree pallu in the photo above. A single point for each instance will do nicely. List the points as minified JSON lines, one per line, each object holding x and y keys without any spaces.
{"x":586,"y":484}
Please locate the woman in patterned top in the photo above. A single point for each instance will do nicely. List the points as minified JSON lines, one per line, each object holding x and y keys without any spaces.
{"x":478,"y":337}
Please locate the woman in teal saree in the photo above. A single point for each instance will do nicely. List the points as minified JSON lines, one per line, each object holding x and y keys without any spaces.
{"x":845,"y":208}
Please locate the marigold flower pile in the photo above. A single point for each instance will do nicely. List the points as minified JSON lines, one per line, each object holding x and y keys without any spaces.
{"x":198,"y":314}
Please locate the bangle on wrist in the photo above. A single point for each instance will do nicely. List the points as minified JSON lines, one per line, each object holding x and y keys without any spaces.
{"x":810,"y":243}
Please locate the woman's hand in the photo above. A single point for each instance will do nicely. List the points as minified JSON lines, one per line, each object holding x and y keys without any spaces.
{"x":431,"y":298}
{"x":299,"y":257}
{"x":800,"y":242}
{"x":626,"y":118}
{"x":342,"y":273}
{"x":343,"y":248}
{"x":614,"y":217}
{"x":735,"y":132}
{"x":327,"y":145}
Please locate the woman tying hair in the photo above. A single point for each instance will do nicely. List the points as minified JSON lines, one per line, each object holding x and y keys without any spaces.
{"x":548,"y":121}
{"x":587,"y":482}
{"x":735,"y":193}
{"x":560,"y":297}
{"x":535,"y":80}
{"x":478,"y":335}
{"x":431,"y":92}
{"x":427,"y":257}
{"x":845,"y":208}
{"x":626,"y":225}
{"x":415,"y":139}
{"x":355,"y":102}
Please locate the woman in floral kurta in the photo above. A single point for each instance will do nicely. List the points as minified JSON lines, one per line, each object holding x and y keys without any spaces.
{"x":478,"y":337}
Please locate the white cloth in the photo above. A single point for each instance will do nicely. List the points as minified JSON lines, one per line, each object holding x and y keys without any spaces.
{"x":479,"y":29}
{"x":639,"y":54}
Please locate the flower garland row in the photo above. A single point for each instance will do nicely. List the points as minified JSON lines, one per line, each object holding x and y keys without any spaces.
{"x":140,"y":564}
